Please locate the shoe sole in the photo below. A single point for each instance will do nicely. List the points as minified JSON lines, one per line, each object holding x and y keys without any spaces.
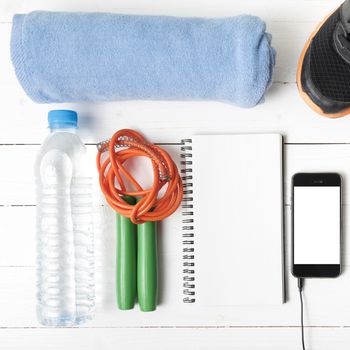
{"x":304,"y":95}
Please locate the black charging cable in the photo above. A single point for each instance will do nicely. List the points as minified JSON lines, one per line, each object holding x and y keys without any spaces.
{"x":300,"y":287}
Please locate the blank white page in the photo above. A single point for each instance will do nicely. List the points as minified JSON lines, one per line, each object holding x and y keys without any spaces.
{"x":238,"y":219}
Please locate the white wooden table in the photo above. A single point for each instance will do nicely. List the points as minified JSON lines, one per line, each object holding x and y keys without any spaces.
{"x":313,"y":143}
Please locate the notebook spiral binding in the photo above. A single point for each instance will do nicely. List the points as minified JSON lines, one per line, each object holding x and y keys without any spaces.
{"x":187,"y":223}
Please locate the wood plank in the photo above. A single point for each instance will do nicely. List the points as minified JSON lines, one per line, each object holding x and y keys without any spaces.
{"x":174,"y":339}
{"x":283,"y":112}
{"x":326,"y":304}
{"x":295,"y":10}
{"x":17,"y":177}
{"x":13,"y":254}
{"x":327,"y":301}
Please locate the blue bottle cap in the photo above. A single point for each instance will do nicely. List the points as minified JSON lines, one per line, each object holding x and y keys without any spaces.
{"x":62,"y":118}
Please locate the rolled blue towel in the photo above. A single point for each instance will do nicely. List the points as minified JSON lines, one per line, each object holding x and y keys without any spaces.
{"x":72,"y":57}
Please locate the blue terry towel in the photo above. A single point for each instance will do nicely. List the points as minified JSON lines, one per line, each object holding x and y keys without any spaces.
{"x":71,"y":57}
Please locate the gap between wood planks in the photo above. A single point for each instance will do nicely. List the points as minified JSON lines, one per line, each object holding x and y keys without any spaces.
{"x":179,"y":144}
{"x":172,"y":327}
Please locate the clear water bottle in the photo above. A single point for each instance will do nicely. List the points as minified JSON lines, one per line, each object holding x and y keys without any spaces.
{"x":65,"y":241}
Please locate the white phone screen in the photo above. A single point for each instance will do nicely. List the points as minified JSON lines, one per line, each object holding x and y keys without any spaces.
{"x":317,"y":225}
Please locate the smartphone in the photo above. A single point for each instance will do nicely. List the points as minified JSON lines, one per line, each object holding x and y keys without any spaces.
{"x":316,"y":224}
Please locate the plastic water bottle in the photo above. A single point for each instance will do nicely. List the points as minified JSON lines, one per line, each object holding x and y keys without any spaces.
{"x":65,"y":241}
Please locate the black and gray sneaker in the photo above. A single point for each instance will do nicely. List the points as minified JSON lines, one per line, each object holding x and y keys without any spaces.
{"x":323,"y":75}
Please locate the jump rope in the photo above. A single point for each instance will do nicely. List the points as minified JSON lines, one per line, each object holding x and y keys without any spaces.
{"x":138,"y":210}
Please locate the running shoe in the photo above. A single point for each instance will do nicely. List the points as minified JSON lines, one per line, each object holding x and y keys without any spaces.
{"x":323,"y":75}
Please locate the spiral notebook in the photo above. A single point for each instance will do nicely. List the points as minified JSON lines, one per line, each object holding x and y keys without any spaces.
{"x":233,"y":220}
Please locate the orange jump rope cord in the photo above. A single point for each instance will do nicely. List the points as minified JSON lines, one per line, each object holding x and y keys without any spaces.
{"x":126,"y":144}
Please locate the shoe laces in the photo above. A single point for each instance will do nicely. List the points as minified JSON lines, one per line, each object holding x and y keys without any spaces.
{"x":344,"y":39}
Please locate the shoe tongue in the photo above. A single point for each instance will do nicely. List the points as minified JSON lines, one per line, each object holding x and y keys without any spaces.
{"x":345,"y":15}
{"x":341,"y":33}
